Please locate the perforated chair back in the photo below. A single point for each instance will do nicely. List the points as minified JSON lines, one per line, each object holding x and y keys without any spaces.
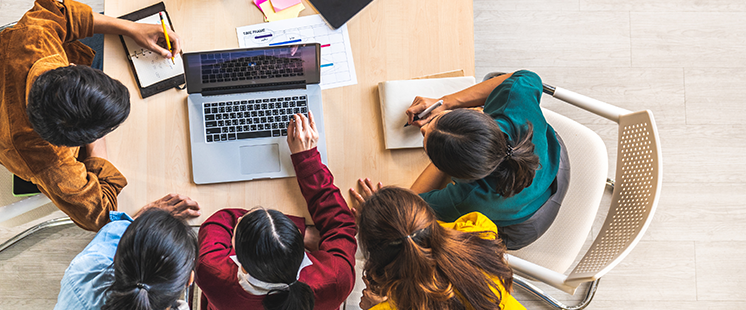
{"x":558,"y":248}
{"x":636,"y":193}
{"x":634,"y":200}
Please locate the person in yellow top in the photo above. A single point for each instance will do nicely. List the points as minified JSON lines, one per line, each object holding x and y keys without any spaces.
{"x":416,"y":262}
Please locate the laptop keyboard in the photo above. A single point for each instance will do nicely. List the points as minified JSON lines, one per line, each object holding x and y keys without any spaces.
{"x":246,"y":119}
{"x":219,"y":67}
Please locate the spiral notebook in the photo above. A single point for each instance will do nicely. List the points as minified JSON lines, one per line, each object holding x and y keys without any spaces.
{"x":153,"y":73}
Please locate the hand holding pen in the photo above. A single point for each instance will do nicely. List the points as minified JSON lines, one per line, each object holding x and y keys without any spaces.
{"x":165,"y":33}
{"x":422,"y":110}
{"x":151,"y":36}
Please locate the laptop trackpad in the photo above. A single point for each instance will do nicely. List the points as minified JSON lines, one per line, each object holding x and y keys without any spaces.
{"x":260,"y":158}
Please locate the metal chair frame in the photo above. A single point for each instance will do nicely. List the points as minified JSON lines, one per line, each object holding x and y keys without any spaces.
{"x":634,"y":201}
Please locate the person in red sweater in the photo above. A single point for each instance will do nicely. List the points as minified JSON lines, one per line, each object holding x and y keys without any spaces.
{"x":254,"y":258}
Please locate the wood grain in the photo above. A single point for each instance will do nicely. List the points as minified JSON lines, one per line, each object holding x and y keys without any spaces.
{"x":688,"y":39}
{"x":552,"y":39}
{"x":151,"y":148}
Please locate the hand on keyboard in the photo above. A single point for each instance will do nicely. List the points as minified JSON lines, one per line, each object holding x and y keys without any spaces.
{"x":302,"y":133}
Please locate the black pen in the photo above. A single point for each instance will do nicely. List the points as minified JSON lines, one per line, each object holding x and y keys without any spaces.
{"x":426,"y":112}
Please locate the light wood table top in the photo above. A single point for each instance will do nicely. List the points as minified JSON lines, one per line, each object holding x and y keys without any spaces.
{"x":390,"y":40}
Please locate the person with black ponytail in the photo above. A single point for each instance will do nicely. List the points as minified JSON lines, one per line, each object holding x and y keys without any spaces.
{"x":505,"y":161}
{"x":254,"y":259}
{"x":142,"y":264}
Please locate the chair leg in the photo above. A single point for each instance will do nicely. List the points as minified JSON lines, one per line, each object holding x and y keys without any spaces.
{"x":590,"y":292}
{"x":39,"y":227}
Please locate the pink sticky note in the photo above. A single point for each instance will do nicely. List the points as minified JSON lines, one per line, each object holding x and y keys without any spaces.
{"x":280,"y":5}
{"x":258,"y":4}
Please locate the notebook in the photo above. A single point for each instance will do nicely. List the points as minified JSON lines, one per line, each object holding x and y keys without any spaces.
{"x":397,"y":97}
{"x":338,"y":12}
{"x":240,"y":102}
{"x":153,"y":72}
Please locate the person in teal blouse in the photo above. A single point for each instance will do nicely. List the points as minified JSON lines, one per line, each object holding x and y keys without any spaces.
{"x":505,"y":161}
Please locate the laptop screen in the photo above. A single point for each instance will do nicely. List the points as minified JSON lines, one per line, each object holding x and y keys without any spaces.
{"x":253,"y":69}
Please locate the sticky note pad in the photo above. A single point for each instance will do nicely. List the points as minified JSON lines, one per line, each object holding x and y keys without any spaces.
{"x":270,"y":14}
{"x":280,"y":5}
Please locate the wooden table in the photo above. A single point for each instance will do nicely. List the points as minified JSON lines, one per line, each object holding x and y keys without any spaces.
{"x":390,"y":40}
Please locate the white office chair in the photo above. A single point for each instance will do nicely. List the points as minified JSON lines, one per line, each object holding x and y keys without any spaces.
{"x":634,"y":199}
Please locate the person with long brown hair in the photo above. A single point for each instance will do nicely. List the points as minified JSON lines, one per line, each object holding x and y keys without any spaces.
{"x":505,"y":161}
{"x":416,"y":262}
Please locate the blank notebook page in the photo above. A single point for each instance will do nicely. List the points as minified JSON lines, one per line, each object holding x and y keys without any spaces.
{"x":397,"y":96}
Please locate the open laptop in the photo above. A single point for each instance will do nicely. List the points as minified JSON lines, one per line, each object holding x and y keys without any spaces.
{"x":240,"y":102}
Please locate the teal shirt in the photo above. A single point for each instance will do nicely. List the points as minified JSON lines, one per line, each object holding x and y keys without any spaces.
{"x":513,"y":103}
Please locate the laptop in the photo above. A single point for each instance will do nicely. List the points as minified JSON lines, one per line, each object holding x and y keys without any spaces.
{"x":240,"y":102}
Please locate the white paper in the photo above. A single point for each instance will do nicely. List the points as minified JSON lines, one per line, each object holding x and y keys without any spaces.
{"x":397,"y":97}
{"x":337,"y":67}
{"x":151,"y":67}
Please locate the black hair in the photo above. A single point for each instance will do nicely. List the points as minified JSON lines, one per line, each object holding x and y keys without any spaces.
{"x":153,"y":263}
{"x":76,"y":105}
{"x":269,"y":247}
{"x":469,"y":145}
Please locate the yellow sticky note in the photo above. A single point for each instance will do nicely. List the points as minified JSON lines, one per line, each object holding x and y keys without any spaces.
{"x":270,"y":15}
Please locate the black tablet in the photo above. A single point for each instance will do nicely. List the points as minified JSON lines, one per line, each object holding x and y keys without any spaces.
{"x":22,"y":188}
{"x":338,"y":12}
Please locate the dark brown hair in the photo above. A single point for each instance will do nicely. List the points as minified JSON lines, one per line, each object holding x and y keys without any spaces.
{"x":469,"y":145}
{"x":419,"y":264}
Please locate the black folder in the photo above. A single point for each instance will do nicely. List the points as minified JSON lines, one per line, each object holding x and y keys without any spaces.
{"x":338,"y":12}
{"x":161,"y":86}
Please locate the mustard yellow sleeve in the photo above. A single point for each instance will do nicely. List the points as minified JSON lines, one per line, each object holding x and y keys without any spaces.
{"x":383,"y":306}
{"x":85,"y":191}
{"x":79,"y":20}
{"x":472,"y":222}
{"x":68,"y":20}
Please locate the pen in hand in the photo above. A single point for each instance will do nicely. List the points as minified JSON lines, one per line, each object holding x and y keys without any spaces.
{"x":426,"y":112}
{"x":165,"y":33}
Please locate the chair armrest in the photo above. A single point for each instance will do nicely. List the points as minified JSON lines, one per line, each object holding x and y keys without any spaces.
{"x":548,"y":276}
{"x":589,"y":104}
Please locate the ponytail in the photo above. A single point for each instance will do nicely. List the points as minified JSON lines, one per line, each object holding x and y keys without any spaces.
{"x":153,"y":263}
{"x":270,"y":248}
{"x":134,"y":298}
{"x":419,"y":264}
{"x":298,"y":296}
{"x":469,"y":145}
{"x":518,"y":169}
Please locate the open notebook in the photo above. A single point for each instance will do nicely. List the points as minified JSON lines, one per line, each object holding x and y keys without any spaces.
{"x":397,"y":96}
{"x":153,"y":72}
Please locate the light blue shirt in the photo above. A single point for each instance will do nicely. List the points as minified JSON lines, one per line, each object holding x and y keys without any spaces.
{"x":92,"y":272}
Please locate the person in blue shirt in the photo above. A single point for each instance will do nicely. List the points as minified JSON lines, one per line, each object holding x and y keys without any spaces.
{"x":505,"y":161}
{"x":142,"y":262}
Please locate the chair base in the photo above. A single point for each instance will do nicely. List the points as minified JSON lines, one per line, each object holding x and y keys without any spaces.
{"x":39,"y":227}
{"x":590,"y":292}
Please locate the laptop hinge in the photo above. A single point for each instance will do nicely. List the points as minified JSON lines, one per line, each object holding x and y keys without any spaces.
{"x":253,"y":88}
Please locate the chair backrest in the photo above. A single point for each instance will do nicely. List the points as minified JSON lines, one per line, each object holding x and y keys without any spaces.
{"x":7,"y":26}
{"x":635,"y":197}
{"x":558,"y":248}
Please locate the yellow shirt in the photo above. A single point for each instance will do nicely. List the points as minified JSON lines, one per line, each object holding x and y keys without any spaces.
{"x":473,"y":222}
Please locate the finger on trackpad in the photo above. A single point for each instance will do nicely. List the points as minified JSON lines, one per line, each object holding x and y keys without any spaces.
{"x":260,"y":158}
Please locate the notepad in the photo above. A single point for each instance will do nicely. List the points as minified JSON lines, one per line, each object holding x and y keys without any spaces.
{"x":153,"y":72}
{"x":397,"y":97}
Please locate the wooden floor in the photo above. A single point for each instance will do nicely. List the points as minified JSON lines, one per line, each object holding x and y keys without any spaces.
{"x":683,"y":59}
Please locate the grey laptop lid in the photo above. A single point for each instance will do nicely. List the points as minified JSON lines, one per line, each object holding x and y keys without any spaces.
{"x":229,"y":81}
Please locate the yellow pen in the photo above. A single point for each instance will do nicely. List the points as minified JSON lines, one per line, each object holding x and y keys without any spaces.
{"x":165,"y":33}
